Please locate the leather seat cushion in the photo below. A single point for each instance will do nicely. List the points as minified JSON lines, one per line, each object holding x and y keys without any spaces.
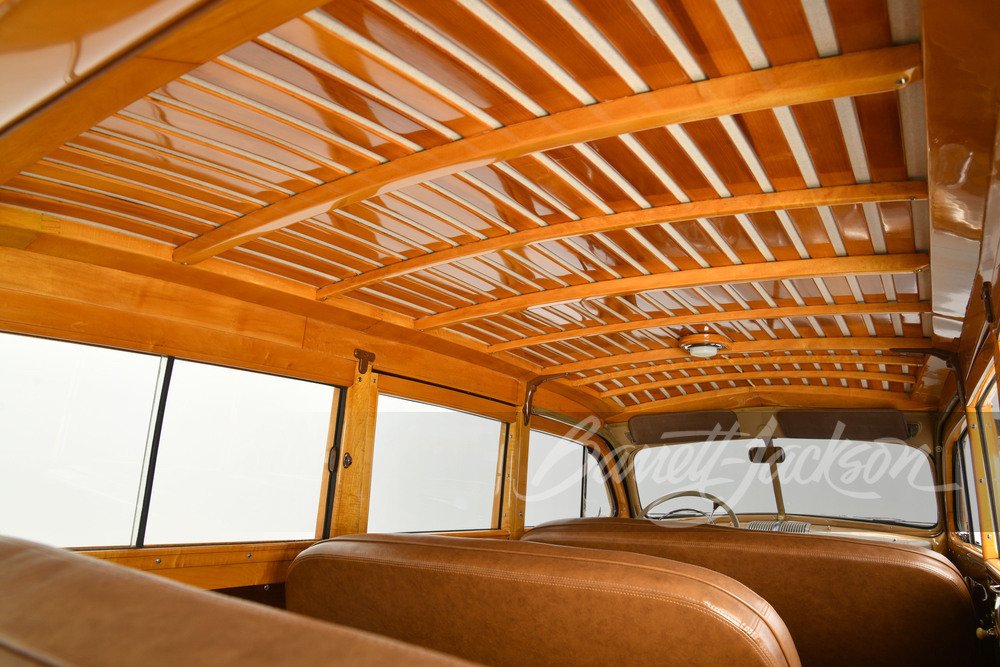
{"x":517,"y":603}
{"x":845,"y":601}
{"x":61,"y":608}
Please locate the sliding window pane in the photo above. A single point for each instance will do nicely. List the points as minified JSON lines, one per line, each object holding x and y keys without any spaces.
{"x":565,"y":481}
{"x":241,"y":457}
{"x":966,"y":497}
{"x":597,"y":494}
{"x":433,"y":469}
{"x":555,"y":479}
{"x":74,"y":422}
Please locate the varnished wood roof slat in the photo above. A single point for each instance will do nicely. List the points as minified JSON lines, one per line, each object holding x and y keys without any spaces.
{"x":874,"y":264}
{"x":855,"y":74}
{"x":905,"y":190}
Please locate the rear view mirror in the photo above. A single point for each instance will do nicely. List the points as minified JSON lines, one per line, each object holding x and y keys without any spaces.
{"x":769,"y":454}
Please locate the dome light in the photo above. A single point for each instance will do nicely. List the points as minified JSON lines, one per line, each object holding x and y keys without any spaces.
{"x":704,"y":345}
{"x":705,"y":351}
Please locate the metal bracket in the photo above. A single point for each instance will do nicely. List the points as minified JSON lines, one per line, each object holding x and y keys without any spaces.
{"x":987,"y":296}
{"x":365,"y":359}
{"x":951,"y":360}
{"x":529,"y":394}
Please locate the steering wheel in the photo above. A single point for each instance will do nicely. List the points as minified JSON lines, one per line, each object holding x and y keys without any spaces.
{"x":717,"y":502}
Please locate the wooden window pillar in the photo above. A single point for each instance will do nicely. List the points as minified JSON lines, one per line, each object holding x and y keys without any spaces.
{"x":516,"y":477}
{"x":354,"y":467}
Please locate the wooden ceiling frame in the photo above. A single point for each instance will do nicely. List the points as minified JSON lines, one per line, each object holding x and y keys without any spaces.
{"x":740,"y":362}
{"x":738,"y":273}
{"x":760,"y":375}
{"x":780,"y":345}
{"x":851,"y":75}
{"x":711,"y":208}
{"x":211,"y":29}
{"x":294,"y":268}
{"x":53,"y":236}
{"x":717,"y":316}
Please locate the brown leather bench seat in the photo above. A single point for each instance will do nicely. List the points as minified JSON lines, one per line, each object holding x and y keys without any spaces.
{"x":518,"y":603}
{"x":61,"y":608}
{"x":846,"y":601}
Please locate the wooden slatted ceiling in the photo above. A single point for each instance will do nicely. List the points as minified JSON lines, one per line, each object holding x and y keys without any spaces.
{"x":575,"y":248}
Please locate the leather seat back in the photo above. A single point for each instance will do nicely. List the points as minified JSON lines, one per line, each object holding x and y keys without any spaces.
{"x":517,"y":603}
{"x":846,"y":601}
{"x":61,"y":608}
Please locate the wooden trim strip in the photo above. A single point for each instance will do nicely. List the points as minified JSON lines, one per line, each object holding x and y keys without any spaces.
{"x":823,"y":79}
{"x":759,"y":375}
{"x":210,"y":30}
{"x":210,"y":566}
{"x":725,"y":316}
{"x":781,"y":345}
{"x":779,"y":396}
{"x":740,"y":273}
{"x":742,"y":205}
{"x":720,"y":363}
{"x":485,"y":534}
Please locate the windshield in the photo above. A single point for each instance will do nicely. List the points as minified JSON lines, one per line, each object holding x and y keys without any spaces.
{"x":721,"y":468}
{"x":884,"y":482}
{"x":873,"y":481}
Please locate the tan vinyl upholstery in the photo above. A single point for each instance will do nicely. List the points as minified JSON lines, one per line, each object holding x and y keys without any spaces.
{"x":517,"y":603}
{"x":846,"y":601}
{"x":61,"y":608}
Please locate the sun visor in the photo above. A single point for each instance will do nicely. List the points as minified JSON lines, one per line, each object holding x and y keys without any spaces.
{"x":672,"y":427}
{"x":864,"y":425}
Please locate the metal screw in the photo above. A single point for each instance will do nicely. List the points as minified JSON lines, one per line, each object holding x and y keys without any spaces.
{"x":267,"y":587}
{"x":157,"y":561}
{"x":249,"y":555}
{"x":902,"y":81}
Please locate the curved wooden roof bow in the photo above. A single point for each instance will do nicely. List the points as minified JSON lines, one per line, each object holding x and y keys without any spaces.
{"x":570,"y":184}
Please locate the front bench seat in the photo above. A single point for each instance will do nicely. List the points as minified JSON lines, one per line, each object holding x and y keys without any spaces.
{"x":61,"y":608}
{"x":846,"y":601}
{"x":517,"y":603}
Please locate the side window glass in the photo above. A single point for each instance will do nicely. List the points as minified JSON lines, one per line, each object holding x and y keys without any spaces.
{"x":241,"y":457}
{"x":75,"y":421}
{"x":433,"y":468}
{"x":960,"y":491}
{"x":596,"y":493}
{"x":565,"y":480}
{"x":966,"y":500}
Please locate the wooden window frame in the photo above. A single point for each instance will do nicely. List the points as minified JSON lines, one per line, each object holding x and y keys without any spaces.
{"x":985,"y":450}
{"x":353,"y":485}
{"x":960,"y":548}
